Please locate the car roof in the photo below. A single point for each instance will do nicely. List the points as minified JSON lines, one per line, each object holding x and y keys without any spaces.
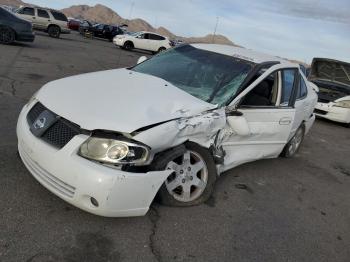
{"x":43,"y":8}
{"x":243,"y":53}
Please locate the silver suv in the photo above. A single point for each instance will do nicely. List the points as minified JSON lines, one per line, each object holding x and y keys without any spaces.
{"x":51,"y":21}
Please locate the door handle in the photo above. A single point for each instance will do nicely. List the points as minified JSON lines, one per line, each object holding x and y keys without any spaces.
{"x":285,"y":121}
{"x":34,"y":17}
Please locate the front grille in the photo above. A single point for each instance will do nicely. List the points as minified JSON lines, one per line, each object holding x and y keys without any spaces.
{"x":33,"y":114}
{"x":57,"y":135}
{"x":320,"y":112}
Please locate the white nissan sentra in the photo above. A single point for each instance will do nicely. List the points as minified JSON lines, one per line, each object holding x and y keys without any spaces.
{"x":108,"y":142}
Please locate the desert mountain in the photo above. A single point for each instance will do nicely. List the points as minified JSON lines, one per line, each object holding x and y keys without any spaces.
{"x":102,"y":14}
{"x":11,"y":2}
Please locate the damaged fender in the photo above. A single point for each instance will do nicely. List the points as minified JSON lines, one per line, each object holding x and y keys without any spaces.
{"x":200,"y":129}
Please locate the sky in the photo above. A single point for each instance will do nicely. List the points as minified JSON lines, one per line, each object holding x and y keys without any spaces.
{"x":295,"y":29}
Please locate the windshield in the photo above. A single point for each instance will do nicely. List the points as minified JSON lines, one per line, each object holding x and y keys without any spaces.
{"x":135,"y":34}
{"x":209,"y":76}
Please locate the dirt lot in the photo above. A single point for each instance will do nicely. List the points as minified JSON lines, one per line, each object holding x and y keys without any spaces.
{"x":271,"y":210}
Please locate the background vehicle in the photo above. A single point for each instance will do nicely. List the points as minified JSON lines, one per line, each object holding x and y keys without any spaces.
{"x":74,"y":24}
{"x":53,"y":22}
{"x":106,"y":31}
{"x":333,"y":80}
{"x":143,"y":40}
{"x":13,"y":28}
{"x":85,"y":26}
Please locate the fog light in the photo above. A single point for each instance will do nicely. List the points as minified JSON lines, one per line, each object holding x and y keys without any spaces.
{"x":94,"y":201}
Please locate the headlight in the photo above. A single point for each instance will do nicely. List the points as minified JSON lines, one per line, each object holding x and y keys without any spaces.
{"x":344,"y":103}
{"x":113,"y":151}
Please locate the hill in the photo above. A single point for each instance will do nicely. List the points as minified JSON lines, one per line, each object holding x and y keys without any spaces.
{"x":103,"y":14}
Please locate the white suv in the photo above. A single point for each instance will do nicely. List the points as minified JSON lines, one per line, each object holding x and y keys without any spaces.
{"x":143,"y":40}
{"x":51,"y":21}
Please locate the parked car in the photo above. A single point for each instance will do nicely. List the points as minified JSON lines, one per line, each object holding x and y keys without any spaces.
{"x":74,"y":24}
{"x":53,"y":22}
{"x":333,"y":80}
{"x":169,"y":125}
{"x":106,"y":31}
{"x":14,"y":29}
{"x":143,"y":40}
{"x":85,"y":26}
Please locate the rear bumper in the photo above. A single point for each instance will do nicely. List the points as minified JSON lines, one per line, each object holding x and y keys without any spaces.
{"x":334,"y":113}
{"x":25,"y":37}
{"x":75,"y":179}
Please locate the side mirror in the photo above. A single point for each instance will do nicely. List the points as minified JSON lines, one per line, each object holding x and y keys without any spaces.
{"x":238,"y":123}
{"x":142,"y":59}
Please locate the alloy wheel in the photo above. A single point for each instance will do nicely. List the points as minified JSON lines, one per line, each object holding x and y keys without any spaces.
{"x":190,"y":177}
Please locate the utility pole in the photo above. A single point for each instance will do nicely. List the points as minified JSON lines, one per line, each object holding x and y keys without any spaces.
{"x":216,"y":27}
{"x":131,"y":9}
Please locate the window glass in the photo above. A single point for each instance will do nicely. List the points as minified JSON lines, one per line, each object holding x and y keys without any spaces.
{"x":27,"y":11}
{"x":156,"y":37}
{"x":302,"y":90}
{"x":209,"y":76}
{"x":264,"y":94}
{"x":59,"y":16}
{"x":146,"y":36}
{"x":43,"y":13}
{"x":288,"y":76}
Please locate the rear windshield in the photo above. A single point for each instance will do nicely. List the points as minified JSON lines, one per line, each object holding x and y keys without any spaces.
{"x":59,"y":16}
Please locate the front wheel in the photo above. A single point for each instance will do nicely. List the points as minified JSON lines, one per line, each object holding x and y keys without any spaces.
{"x":128,"y":46}
{"x":7,"y":35}
{"x":293,"y":145}
{"x":193,"y":178}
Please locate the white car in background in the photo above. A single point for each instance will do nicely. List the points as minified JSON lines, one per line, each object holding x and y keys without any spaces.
{"x":143,"y":40}
{"x":168,"y":126}
{"x":333,"y":80}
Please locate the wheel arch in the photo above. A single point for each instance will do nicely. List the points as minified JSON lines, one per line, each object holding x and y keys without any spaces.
{"x":50,"y":25}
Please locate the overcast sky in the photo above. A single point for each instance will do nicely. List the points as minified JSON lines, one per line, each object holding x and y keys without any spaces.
{"x":298,"y":29}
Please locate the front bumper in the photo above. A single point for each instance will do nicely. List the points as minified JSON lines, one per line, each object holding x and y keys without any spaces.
{"x":334,"y":113}
{"x":75,"y":179}
{"x":118,"y":41}
{"x":25,"y":37}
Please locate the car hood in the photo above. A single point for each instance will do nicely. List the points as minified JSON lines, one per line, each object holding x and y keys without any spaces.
{"x":120,"y":100}
{"x":331,"y":71}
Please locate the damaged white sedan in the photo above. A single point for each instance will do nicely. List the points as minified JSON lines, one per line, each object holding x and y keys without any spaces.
{"x":108,"y":142}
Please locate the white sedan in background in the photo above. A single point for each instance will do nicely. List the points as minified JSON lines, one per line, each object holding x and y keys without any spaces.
{"x":333,"y":80}
{"x":108,"y":142}
{"x":143,"y":40}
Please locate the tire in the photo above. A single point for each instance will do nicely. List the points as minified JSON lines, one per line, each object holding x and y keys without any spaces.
{"x":128,"y":45}
{"x":292,"y":147}
{"x":7,"y":35}
{"x":186,"y":186}
{"x":162,"y":49}
{"x":54,"y":31}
